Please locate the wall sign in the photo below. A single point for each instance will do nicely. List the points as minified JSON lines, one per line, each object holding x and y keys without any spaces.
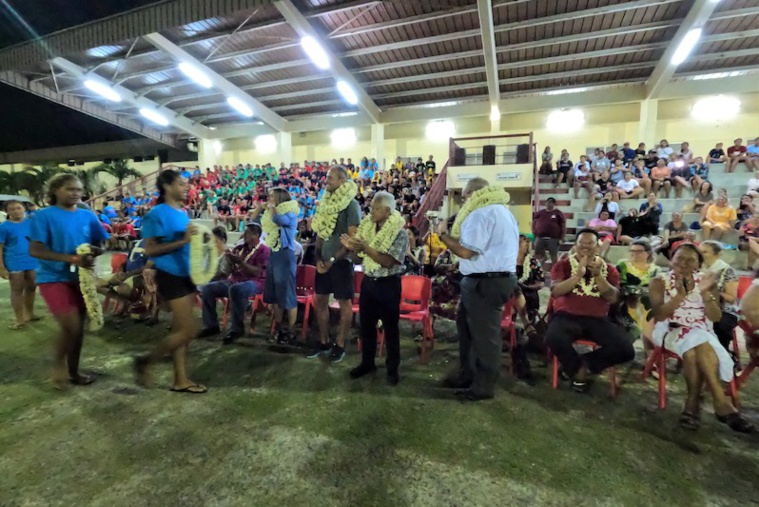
{"x":466,"y":176}
{"x":510,"y":176}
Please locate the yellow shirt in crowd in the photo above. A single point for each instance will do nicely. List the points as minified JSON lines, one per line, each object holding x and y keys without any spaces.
{"x":721,"y":215}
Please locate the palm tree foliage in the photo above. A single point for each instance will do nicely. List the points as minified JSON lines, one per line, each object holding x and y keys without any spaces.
{"x":119,"y":169}
{"x":32,"y":181}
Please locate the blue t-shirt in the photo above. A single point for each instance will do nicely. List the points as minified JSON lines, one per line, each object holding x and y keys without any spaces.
{"x":14,"y":236}
{"x":61,"y":232}
{"x":104,"y":218}
{"x":168,"y":224}
{"x":137,"y":257}
{"x":110,"y":211}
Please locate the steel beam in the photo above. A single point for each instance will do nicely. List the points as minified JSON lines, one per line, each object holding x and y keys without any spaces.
{"x":78,"y":104}
{"x":485,"y":13}
{"x":665,"y":69}
{"x":219,"y":82}
{"x":181,"y":122}
{"x":301,"y":25}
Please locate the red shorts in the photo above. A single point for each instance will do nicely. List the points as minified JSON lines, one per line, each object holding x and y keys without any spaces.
{"x":63,"y":298}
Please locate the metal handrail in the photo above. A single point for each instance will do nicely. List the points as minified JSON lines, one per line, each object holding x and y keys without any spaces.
{"x":434,"y":200}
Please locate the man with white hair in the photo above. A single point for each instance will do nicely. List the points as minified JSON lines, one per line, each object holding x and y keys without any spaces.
{"x":381,"y":241}
{"x":485,"y":237}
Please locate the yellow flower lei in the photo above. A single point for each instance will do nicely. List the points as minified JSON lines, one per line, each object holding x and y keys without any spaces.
{"x":526,"y":268}
{"x":88,"y":286}
{"x":271,"y":229}
{"x":586,"y":288}
{"x":479,"y":199}
{"x":325,"y":218}
{"x":380,"y":241}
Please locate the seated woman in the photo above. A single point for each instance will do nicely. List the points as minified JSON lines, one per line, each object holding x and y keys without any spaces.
{"x":640,"y":173}
{"x":745,"y":210}
{"x":635,"y":275}
{"x":608,"y":204}
{"x":684,"y":306}
{"x":703,"y":198}
{"x":531,"y":280}
{"x":727,"y":289}
{"x":700,"y":172}
{"x":628,"y":188}
{"x":602,"y":187}
{"x":416,"y":253}
{"x":674,"y":231}
{"x":652,"y":210}
{"x":681,"y":178}
{"x":606,"y":229}
{"x":720,"y":218}
{"x":631,"y":227}
{"x":445,"y":286}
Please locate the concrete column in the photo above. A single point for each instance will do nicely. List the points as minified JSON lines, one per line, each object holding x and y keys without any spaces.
{"x":495,"y":126}
{"x":649,"y":110}
{"x":378,"y":144}
{"x":285,"y":148}
{"x":208,"y":152}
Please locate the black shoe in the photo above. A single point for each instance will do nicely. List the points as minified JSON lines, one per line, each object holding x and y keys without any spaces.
{"x":209,"y":331}
{"x":337,"y":353}
{"x":231,"y":338}
{"x":456,"y":383}
{"x":469,"y":395}
{"x":321,"y":349}
{"x":393,"y":379}
{"x":581,"y":387}
{"x":363,"y":369}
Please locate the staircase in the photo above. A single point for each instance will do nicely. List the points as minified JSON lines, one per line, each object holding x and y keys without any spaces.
{"x":577,"y":217}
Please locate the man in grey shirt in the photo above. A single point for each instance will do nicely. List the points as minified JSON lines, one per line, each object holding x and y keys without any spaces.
{"x":334,"y":270}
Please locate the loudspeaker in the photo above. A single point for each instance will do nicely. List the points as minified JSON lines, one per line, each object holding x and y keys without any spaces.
{"x":459,"y":156}
{"x":488,"y":154}
{"x":163,"y":156}
{"x":137,"y":159}
{"x":148,"y":158}
{"x":523,"y":153}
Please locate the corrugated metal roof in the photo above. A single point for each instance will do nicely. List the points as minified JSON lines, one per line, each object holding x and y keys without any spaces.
{"x":406,"y":53}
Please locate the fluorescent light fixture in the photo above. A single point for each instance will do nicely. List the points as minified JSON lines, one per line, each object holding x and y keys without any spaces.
{"x":217,"y":147}
{"x":564,"y":91}
{"x":565,"y":120}
{"x":315,"y":52}
{"x":195,"y":74}
{"x":343,"y":138}
{"x":706,"y":108}
{"x":240,"y":106}
{"x":718,"y":75}
{"x":440,"y":104}
{"x":344,"y":115}
{"x":686,"y":46}
{"x":347,"y":92}
{"x":154,"y":116}
{"x":495,"y":113}
{"x":102,"y":89}
{"x":440,"y":131}
{"x":266,"y":143}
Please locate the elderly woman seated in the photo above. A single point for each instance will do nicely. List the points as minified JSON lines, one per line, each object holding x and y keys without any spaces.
{"x":606,"y":229}
{"x":685,"y":305}
{"x":635,"y":275}
{"x":720,"y":218}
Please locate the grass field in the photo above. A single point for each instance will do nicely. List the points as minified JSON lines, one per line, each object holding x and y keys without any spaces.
{"x":279,"y":429}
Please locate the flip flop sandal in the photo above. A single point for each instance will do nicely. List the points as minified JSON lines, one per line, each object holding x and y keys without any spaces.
{"x":193,"y":389}
{"x":688,"y":421}
{"x":737,"y":422}
{"x":16,"y":326}
{"x":83,"y":380}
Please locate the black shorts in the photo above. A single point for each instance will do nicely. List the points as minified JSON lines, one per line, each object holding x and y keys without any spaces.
{"x":172,"y":287}
{"x":338,"y":281}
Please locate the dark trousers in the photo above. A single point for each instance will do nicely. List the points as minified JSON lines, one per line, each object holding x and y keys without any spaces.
{"x":479,"y":327}
{"x":380,"y":300}
{"x":615,"y":347}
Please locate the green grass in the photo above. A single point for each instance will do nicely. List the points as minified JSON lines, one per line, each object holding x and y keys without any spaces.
{"x":279,"y":429}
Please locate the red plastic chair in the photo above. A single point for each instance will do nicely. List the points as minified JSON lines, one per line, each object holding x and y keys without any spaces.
{"x":416,"y":292}
{"x":305,"y":289}
{"x":754,"y":363}
{"x":659,"y":358}
{"x":118,"y":265}
{"x":507,"y":324}
{"x":594,"y":345}
{"x":744,"y":282}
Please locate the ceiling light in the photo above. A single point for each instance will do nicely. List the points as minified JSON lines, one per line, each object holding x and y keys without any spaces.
{"x":565,"y":120}
{"x":102,"y":89}
{"x":495,"y":113}
{"x":344,"y":115}
{"x":686,"y":46}
{"x":266,"y":143}
{"x":564,"y":91}
{"x":440,"y":131}
{"x":315,"y":52}
{"x":440,"y":104}
{"x":195,"y":74}
{"x":240,"y":106}
{"x":154,"y":116}
{"x":704,"y":108}
{"x":347,"y":92}
{"x":343,"y":137}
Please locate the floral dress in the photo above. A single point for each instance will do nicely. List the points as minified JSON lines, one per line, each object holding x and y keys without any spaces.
{"x":633,"y":283}
{"x":688,"y":327}
{"x":446,"y":291}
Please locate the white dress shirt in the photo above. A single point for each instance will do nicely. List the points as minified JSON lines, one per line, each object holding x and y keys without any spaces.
{"x":492,"y":233}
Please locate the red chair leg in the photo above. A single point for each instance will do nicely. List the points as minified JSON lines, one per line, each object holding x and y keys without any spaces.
{"x":662,"y":367}
{"x":306,"y":315}
{"x":737,"y":350}
{"x":555,"y":376}
{"x":734,"y":393}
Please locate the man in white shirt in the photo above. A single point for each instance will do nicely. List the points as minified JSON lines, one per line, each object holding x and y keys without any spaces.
{"x":487,"y":251}
{"x":753,"y":185}
{"x":629,"y":188}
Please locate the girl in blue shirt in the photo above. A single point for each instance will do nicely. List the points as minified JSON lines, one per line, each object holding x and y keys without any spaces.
{"x":167,"y":233}
{"x":16,"y":265}
{"x":56,"y":232}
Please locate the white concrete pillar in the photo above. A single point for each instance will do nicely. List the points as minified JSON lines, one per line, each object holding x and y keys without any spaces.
{"x":378,"y":144}
{"x":209,"y":151}
{"x":649,"y":110}
{"x":285,"y":148}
